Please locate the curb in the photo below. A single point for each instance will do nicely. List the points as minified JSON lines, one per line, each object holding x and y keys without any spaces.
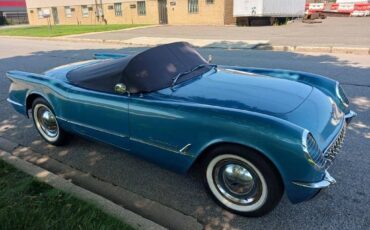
{"x":55,"y":181}
{"x":221,"y":44}
{"x":101,"y":32}
{"x":145,"y":208}
{"x":318,"y":49}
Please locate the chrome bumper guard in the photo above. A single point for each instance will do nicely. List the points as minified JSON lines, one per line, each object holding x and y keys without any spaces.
{"x":328,"y":180}
{"x":349,"y":116}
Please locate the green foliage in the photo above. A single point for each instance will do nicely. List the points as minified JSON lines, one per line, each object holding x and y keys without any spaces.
{"x":26,"y":203}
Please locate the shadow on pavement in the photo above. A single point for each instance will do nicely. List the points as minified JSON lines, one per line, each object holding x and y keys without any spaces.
{"x":344,"y":205}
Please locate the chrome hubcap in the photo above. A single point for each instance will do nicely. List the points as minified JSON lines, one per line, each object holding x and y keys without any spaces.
{"x":46,"y":121}
{"x":237,"y":182}
{"x":237,"y":179}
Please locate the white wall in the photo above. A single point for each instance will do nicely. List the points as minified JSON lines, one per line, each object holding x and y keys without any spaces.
{"x":283,"y":8}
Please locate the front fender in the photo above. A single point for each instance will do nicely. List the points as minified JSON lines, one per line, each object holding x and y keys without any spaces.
{"x":328,"y":86}
{"x":278,"y":140}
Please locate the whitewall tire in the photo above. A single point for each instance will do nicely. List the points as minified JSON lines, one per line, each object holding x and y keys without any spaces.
{"x":46,"y":122}
{"x":242,"y":180}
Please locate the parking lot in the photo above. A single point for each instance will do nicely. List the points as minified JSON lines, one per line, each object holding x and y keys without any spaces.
{"x":345,"y":205}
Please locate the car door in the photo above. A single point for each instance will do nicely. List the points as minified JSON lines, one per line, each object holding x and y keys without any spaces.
{"x":163,"y":133}
{"x":99,"y":115}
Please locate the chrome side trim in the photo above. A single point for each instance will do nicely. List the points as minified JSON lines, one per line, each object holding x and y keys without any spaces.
{"x":14,"y":102}
{"x":94,"y":128}
{"x":160,"y":146}
{"x":326,"y":182}
{"x":183,"y":150}
{"x":170,"y":149}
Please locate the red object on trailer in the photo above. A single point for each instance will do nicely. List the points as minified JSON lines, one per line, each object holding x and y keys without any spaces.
{"x":346,"y":8}
{"x":334,"y":7}
{"x":362,"y":6}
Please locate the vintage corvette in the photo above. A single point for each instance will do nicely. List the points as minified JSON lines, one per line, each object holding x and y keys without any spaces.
{"x":253,"y":132}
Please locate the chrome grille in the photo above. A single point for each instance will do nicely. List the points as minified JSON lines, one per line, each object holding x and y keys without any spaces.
{"x":332,"y":151}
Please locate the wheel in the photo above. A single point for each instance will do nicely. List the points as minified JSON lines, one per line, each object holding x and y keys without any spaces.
{"x":242,"y":180}
{"x":46,"y":122}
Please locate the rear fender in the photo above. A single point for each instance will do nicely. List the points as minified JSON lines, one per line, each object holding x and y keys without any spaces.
{"x":24,"y":84}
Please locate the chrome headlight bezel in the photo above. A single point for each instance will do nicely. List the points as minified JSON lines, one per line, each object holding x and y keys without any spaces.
{"x":314,"y":155}
{"x":339,"y":91}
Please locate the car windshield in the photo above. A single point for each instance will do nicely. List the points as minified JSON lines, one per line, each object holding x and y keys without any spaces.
{"x":190,"y":71}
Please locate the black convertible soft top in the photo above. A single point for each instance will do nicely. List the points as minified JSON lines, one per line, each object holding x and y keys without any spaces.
{"x":148,"y":71}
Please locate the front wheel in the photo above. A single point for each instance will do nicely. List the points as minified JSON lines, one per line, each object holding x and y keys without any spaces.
{"x":242,"y":181}
{"x":46,"y":122}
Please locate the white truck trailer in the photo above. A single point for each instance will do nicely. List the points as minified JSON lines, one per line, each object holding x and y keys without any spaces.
{"x":254,"y":12}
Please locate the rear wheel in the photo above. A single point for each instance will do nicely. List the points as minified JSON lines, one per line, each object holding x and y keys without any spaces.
{"x":242,"y":181}
{"x":46,"y":122}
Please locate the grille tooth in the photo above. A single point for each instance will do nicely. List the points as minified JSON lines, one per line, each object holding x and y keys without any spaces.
{"x":332,"y":152}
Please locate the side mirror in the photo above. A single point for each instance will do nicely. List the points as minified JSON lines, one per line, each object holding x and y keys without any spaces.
{"x":120,"y":88}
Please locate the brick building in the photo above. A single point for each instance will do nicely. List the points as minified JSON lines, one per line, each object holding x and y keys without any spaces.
{"x":209,"y":12}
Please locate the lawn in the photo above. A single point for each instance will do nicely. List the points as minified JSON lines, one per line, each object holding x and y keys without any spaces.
{"x":61,"y":30}
{"x":26,"y":203}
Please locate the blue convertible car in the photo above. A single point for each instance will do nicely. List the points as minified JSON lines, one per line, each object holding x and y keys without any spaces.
{"x":254,"y":132}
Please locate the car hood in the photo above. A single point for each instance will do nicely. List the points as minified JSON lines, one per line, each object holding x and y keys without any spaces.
{"x":320,"y":115}
{"x":245,"y":91}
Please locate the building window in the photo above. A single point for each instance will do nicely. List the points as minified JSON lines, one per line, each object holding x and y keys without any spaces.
{"x":85,"y":11}
{"x":40,"y":13}
{"x":118,"y":9}
{"x":68,"y":11}
{"x":210,"y":1}
{"x":193,"y":6}
{"x":141,"y":10}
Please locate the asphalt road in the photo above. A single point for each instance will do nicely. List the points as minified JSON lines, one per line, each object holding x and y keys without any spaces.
{"x":345,"y":205}
{"x":333,"y":31}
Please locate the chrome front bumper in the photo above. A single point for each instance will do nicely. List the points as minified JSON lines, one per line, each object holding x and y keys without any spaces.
{"x":328,"y":180}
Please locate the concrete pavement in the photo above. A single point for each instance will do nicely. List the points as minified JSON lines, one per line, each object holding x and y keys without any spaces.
{"x":342,"y":206}
{"x":332,"y":32}
{"x":334,"y":35}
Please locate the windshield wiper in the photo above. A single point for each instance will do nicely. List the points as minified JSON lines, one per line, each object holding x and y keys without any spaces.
{"x":189,"y":71}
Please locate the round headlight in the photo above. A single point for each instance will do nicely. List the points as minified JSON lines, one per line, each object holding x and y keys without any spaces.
{"x":312,"y":151}
{"x":341,"y":95}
